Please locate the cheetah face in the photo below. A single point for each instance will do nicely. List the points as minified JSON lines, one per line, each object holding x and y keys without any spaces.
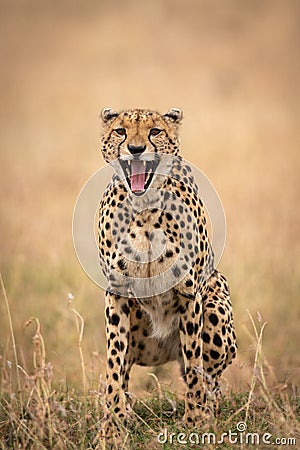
{"x":138,"y":139}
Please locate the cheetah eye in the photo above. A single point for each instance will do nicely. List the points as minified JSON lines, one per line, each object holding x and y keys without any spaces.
{"x":155,"y":131}
{"x":121,"y":131}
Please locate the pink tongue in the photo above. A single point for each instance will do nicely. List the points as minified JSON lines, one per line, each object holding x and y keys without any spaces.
{"x":137,"y":176}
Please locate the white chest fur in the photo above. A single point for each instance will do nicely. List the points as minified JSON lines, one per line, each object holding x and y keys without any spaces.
{"x":161,"y":311}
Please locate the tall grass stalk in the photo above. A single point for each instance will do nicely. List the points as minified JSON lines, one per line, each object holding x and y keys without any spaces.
{"x":258,"y":360}
{"x":12,"y":335}
{"x":80,"y":329}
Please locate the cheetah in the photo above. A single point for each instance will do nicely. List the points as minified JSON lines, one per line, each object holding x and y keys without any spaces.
{"x":164,"y":300}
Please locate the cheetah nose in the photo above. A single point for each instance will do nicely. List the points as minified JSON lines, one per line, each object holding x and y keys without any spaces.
{"x":136,"y":150}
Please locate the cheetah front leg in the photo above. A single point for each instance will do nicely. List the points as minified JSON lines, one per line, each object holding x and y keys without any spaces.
{"x":117,"y":313}
{"x":196,"y":409}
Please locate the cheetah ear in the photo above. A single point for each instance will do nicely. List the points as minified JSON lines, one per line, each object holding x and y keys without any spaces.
{"x":174,"y":114}
{"x":108,"y":113}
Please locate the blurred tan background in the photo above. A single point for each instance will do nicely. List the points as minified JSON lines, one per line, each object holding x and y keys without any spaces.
{"x":233,"y":68}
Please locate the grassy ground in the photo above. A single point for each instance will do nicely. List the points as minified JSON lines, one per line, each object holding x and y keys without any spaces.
{"x":37,"y":413}
{"x":70,"y":421}
{"x":232,"y":67}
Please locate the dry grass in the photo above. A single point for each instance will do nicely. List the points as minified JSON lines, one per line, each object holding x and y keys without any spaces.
{"x":232,"y":67}
{"x":35,"y":414}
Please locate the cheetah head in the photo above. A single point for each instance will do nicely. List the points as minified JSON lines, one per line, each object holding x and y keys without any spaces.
{"x":138,"y":139}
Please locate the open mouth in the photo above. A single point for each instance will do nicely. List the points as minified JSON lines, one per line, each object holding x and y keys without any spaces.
{"x":139,"y":173}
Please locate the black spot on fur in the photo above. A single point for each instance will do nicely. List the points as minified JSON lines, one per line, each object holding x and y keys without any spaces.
{"x":221,"y":310}
{"x":217,"y":340}
{"x":206,"y":338}
{"x":188,"y":354}
{"x":125,"y":309}
{"x":214,"y":355}
{"x":122,"y":264}
{"x":213,"y":319}
{"x":176,"y":271}
{"x":139,"y":314}
{"x":190,"y":328}
{"x":115,"y":319}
